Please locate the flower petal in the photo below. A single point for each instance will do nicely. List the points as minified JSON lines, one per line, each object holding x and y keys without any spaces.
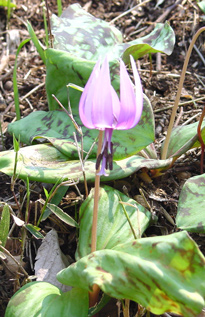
{"x":138,"y":91}
{"x":102,"y":112}
{"x":86,"y":100}
{"x":131,"y":104}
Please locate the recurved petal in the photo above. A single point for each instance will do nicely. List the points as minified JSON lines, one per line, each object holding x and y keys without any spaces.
{"x":131,"y":101}
{"x":138,"y":87}
{"x":86,"y":100}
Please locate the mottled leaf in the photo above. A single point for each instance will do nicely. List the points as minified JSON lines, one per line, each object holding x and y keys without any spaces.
{"x":161,"y":273}
{"x":161,"y":39}
{"x":45,"y":299}
{"x":191,"y":206}
{"x":183,"y":138}
{"x":58,"y":128}
{"x":82,"y":35}
{"x":113,"y":227}
{"x":62,"y":68}
{"x":67,"y":68}
{"x":78,"y":32}
{"x":44,"y":163}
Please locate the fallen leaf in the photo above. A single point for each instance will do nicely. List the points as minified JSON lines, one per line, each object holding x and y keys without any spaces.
{"x":50,"y":260}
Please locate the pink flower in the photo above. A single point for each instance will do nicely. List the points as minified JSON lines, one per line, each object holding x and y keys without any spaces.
{"x":101,"y":108}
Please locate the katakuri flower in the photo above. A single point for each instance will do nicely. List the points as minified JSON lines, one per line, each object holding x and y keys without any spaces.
{"x":101,"y":108}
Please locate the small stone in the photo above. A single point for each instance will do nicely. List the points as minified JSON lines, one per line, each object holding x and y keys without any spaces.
{"x":183,"y":176}
{"x":2,"y":105}
{"x":8,"y":85}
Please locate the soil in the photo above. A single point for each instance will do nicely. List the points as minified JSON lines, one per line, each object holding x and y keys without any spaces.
{"x":160,"y":83}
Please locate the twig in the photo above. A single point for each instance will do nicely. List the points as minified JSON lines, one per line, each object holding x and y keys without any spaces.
{"x":158,"y":61}
{"x":78,"y":128}
{"x":191,"y":101}
{"x":199,"y":53}
{"x":169,"y":130}
{"x":128,"y":11}
{"x":69,"y":114}
{"x":80,"y":155}
{"x":162,"y":72}
{"x":199,"y":79}
{"x":90,"y":150}
{"x":162,"y":17}
{"x":32,"y":91}
{"x":13,"y":258}
{"x":190,"y":119}
{"x":180,"y":104}
{"x":179,"y":117}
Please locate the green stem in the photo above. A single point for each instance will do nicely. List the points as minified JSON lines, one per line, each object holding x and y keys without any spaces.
{"x":59,"y":4}
{"x":167,"y":140}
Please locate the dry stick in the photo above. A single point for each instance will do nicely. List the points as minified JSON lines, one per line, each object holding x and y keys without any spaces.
{"x":32,"y":91}
{"x":128,"y":11}
{"x":180,"y":104}
{"x":13,"y":258}
{"x":78,"y":128}
{"x":201,"y":140}
{"x":161,"y":18}
{"x":93,"y":296}
{"x":169,"y":130}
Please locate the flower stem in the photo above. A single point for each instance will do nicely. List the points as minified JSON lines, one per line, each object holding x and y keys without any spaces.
{"x":96,"y":198}
{"x":166,"y":143}
{"x":93,"y":296}
{"x":201,"y":140}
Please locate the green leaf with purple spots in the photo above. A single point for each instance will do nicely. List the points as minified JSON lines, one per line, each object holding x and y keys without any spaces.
{"x":161,"y":273}
{"x":45,"y":299}
{"x":80,"y":33}
{"x":191,"y":206}
{"x":45,"y":163}
{"x":85,"y":36}
{"x":183,"y":138}
{"x":63,"y":68}
{"x":113,"y":226}
{"x":80,"y":39}
{"x":161,"y":39}
{"x":57,"y":128}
